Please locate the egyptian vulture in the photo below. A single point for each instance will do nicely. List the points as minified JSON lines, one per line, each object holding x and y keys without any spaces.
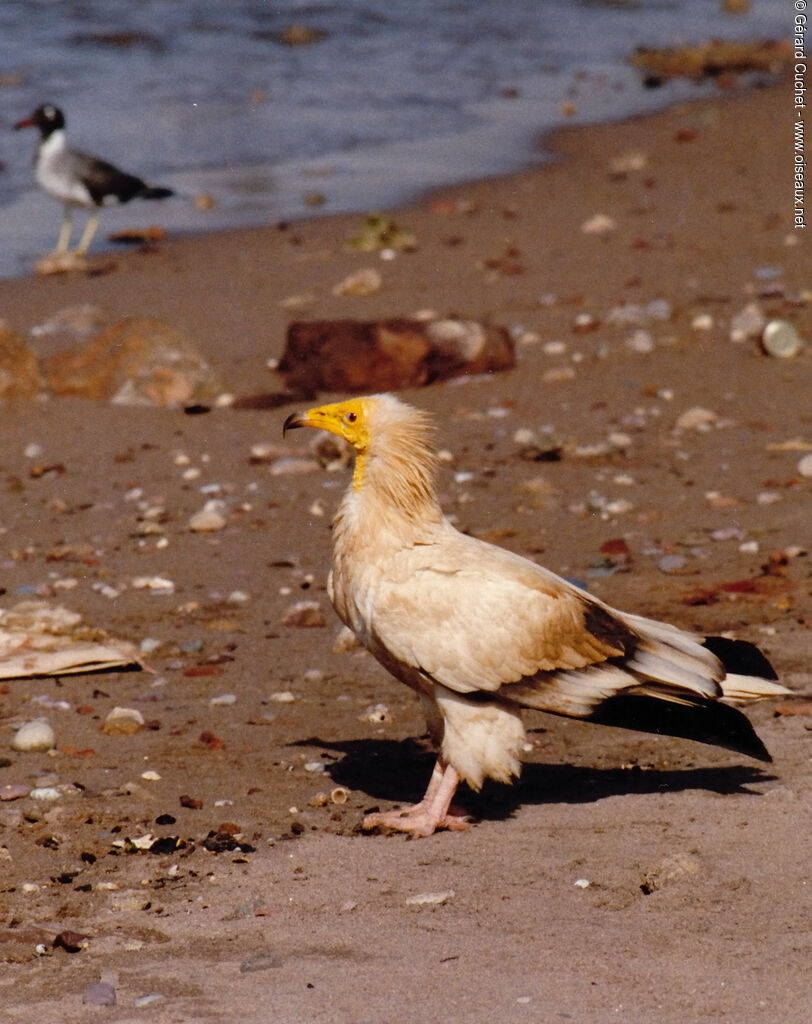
{"x":479,"y":632}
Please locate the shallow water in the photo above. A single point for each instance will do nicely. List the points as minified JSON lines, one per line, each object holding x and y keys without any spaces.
{"x":394,"y":99}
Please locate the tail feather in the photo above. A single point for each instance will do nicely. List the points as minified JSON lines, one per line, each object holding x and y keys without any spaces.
{"x":736,"y":687}
{"x":668,"y":682}
{"x":155,"y":192}
{"x":749,"y":676}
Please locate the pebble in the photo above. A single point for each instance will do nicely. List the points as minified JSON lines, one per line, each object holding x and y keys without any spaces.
{"x":634,"y":314}
{"x":304,"y":614}
{"x":290,"y":464}
{"x":210,"y":518}
{"x":148,"y":1000}
{"x":123,"y":722}
{"x":430,"y":899}
{"x":100,"y":994}
{"x":367,"y":281}
{"x":282,"y":697}
{"x":14,"y":790}
{"x":625,"y":163}
{"x":748,"y":323}
{"x":561,"y":373}
{"x":224,"y":700}
{"x":641,"y":342}
{"x":600,"y":224}
{"x":377,"y":713}
{"x":584,"y":322}
{"x":728,"y":533}
{"x":672,"y":563}
{"x":34,"y":736}
{"x":805,"y":465}
{"x":696,"y":418}
{"x":151,"y":776}
{"x":43,"y":700}
{"x":157,"y":584}
{"x":345,"y":641}
{"x":45,"y":793}
{"x":780,"y":339}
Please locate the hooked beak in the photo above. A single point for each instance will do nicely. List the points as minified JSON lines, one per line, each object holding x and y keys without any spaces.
{"x":323,"y":417}
{"x":296,"y":419}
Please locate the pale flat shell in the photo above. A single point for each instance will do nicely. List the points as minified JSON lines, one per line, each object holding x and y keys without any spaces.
{"x":38,"y":639}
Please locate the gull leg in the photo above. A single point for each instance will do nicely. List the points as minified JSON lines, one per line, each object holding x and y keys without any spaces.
{"x":64,"y":232}
{"x":432,"y":813}
{"x":87,"y":235}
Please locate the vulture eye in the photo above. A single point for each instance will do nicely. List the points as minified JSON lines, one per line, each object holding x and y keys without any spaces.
{"x":351,"y":417}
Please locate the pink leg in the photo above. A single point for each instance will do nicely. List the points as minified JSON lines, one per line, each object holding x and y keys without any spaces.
{"x":432,"y":813}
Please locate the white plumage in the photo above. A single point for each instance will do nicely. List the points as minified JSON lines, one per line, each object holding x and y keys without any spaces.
{"x":480,"y":632}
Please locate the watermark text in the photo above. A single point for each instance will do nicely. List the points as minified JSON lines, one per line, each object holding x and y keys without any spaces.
{"x":799,"y":113}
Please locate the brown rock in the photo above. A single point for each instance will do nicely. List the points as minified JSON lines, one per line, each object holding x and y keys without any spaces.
{"x":358,"y":355}
{"x":20,"y":376}
{"x":136,"y":362}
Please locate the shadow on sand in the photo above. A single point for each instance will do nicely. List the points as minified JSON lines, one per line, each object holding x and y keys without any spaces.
{"x":398,"y":771}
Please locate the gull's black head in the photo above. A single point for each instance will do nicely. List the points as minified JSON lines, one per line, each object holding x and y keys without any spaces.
{"x":47,"y":118}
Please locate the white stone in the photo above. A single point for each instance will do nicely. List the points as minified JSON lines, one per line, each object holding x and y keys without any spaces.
{"x":34,"y":736}
{"x":209,"y":518}
{"x":430,"y":899}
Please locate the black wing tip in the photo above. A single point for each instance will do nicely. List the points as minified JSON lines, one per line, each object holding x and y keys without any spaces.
{"x":706,"y":721}
{"x":156,"y":192}
{"x":740,"y":657}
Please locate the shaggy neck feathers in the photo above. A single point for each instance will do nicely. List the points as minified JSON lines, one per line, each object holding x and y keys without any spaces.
{"x":393,"y":485}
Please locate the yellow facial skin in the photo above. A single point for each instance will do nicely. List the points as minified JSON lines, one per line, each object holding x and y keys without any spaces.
{"x":348,"y":420}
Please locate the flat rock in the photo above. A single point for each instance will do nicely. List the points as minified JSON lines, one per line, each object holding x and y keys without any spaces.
{"x":359,"y":355}
{"x":137,"y":361}
{"x":20,"y":375}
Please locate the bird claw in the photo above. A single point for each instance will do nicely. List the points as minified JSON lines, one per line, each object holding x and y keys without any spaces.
{"x":416,"y":820}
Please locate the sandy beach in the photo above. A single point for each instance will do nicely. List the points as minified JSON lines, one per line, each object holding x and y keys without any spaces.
{"x":645,"y":444}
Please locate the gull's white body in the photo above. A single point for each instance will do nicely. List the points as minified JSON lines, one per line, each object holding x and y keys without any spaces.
{"x":78,"y":179}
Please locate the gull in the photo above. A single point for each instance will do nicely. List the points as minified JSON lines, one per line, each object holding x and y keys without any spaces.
{"x":479,"y":632}
{"x":78,"y":179}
